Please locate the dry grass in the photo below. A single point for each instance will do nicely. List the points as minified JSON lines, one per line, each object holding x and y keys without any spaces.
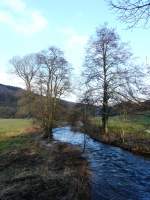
{"x":30,"y":171}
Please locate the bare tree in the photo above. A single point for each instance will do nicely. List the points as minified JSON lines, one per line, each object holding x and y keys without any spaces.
{"x":53,"y":83}
{"x":46,"y":76}
{"x":105,"y":70}
{"x":26,"y":68}
{"x":132,"y":11}
{"x":87,"y":103}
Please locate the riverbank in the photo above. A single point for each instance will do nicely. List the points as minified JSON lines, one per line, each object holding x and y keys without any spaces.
{"x":116,"y":173}
{"x":137,"y":145}
{"x":34,"y":169}
{"x":131,"y":133}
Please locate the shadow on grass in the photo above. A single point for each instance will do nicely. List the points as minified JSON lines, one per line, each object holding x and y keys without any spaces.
{"x":30,"y":172}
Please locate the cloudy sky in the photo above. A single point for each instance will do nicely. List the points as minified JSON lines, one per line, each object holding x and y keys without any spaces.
{"x":28,"y":26}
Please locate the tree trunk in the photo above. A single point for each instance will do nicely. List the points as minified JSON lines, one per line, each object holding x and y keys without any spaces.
{"x":48,"y":133}
{"x":105,"y":95}
{"x":51,"y":133}
{"x":105,"y":109}
{"x":105,"y":123}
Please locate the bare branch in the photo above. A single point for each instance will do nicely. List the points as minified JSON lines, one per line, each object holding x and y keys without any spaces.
{"x":132,"y":12}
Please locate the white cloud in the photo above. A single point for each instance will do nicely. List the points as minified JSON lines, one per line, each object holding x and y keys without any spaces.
{"x":74,"y":38}
{"x":26,"y":22}
{"x":8,"y":78}
{"x":75,"y":44}
{"x":77,"y":40}
{"x":5,"y":17}
{"x":16,"y":5}
{"x":36,"y":23}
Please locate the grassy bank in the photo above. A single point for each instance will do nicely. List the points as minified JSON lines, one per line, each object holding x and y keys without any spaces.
{"x":33,"y":169}
{"x":133,"y":124}
{"x":131,"y":133}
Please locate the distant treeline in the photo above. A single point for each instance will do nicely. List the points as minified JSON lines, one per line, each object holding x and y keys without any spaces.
{"x":10,"y":97}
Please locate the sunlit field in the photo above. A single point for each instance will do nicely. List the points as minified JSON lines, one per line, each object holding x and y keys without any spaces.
{"x":135,"y":124}
{"x":12,"y":133}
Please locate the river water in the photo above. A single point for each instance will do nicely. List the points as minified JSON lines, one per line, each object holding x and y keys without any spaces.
{"x":116,"y":173}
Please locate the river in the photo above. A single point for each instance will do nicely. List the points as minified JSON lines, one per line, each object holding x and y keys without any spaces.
{"x":116,"y":174}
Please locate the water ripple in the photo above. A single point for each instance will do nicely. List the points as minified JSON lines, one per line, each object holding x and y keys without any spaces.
{"x":116,"y":174}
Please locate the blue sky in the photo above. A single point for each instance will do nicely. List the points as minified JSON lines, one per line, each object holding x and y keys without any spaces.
{"x":28,"y":26}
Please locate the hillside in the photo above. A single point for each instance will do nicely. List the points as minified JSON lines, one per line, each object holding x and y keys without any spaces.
{"x":132,"y":108}
{"x":9,"y":96}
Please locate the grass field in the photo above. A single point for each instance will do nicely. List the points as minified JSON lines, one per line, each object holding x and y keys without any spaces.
{"x":31,"y":169}
{"x":12,"y":133}
{"x":136,"y":124}
{"x":131,"y":133}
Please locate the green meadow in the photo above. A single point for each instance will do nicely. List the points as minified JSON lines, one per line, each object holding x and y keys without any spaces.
{"x":133,"y":124}
{"x":12,"y":133}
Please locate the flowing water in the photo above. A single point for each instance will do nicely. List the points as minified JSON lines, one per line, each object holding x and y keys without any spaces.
{"x":116,"y":173}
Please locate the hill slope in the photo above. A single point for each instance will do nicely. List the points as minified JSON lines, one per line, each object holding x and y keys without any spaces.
{"x":9,"y":96}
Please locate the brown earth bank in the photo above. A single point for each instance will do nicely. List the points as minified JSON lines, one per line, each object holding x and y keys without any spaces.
{"x":44,"y":171}
{"x":130,"y":142}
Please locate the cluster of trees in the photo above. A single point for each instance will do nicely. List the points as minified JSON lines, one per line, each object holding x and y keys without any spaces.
{"x":109,"y":77}
{"x":47,"y":78}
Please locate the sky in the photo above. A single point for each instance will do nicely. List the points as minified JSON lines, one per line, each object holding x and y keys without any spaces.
{"x":29,"y":26}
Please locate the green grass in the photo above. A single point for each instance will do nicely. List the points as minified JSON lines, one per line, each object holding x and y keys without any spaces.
{"x":12,"y":134}
{"x":131,"y":133}
{"x":135,"y":124}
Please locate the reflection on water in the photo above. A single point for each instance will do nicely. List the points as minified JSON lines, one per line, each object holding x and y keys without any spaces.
{"x":116,"y":174}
